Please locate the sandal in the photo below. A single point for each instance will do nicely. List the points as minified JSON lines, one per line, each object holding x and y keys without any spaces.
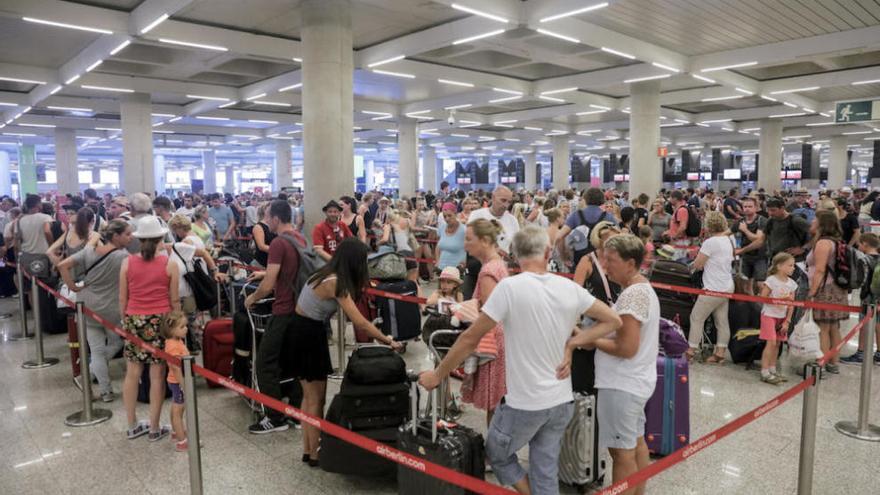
{"x":715,"y":359}
{"x":691,"y":354}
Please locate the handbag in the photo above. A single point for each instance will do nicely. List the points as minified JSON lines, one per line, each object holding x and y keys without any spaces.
{"x":804,"y":340}
{"x":387,"y":266}
{"x":204,"y":288}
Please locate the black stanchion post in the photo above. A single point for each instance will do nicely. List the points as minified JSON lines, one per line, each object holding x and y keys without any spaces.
{"x":808,"y":431}
{"x":22,"y":307}
{"x":862,"y":428}
{"x":88,"y":416}
{"x":192,"y":426}
{"x":41,"y":361}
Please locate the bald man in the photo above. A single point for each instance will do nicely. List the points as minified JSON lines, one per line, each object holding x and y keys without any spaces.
{"x":498,"y":210}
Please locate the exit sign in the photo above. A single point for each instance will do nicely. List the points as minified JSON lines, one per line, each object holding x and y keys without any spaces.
{"x":857,"y":111}
{"x":663,"y":152}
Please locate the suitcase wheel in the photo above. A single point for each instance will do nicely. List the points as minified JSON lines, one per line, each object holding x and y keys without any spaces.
{"x":650,"y":438}
{"x":684,"y":379}
{"x":682,"y":439}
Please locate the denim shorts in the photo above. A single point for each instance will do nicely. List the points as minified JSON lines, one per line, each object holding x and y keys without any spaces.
{"x":621,"y":417}
{"x":176,"y":393}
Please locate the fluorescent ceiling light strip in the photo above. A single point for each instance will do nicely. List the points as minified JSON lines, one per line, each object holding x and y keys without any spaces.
{"x":226,"y":105}
{"x":194,"y":45}
{"x":120,"y":47}
{"x":454,"y":107}
{"x":72,"y":79}
{"x":798,"y":137}
{"x":167,"y":115}
{"x":765,"y":97}
{"x":619,"y":54}
{"x":792,"y":105}
{"x":459,"y":135}
{"x":272,"y":103}
{"x":508,"y":91}
{"x":94,"y":66}
{"x":175,"y":119}
{"x":824,"y":114}
{"x":817,"y":124}
{"x":386,"y":61}
{"x":162,"y":132}
{"x":665,"y":67}
{"x":478,"y":37}
{"x":783,"y":115}
{"x":57,"y":89}
{"x":469,"y":123}
{"x":744,"y":91}
{"x":22,"y":134}
{"x":795,"y":90}
{"x":382,"y":117}
{"x":480,"y":13}
{"x":717,"y":121}
{"x":575,"y":12}
{"x":109,"y":129}
{"x":291,"y":87}
{"x":24,"y":81}
{"x":702,"y":78}
{"x":68,"y":109}
{"x":258,"y":121}
{"x":600,"y":107}
{"x":212,"y":98}
{"x":855,"y":133}
{"x":533,"y":128}
{"x":648,"y":78}
{"x":509,"y":98}
{"x":505,"y":121}
{"x":591,"y":112}
{"x":808,"y":110}
{"x":722,"y":98}
{"x":550,"y":98}
{"x":561,"y":36}
{"x":557,"y":91}
{"x":66,"y":25}
{"x":107,"y":88}
{"x":255,"y":97}
{"x":201,"y":117}
{"x":149,"y":27}
{"x":872,"y":81}
{"x":48,"y":126}
{"x":731,"y":66}
{"x":395,"y":74}
{"x":419,"y":112}
{"x":456,"y":83}
{"x":371,"y":112}
{"x":683,"y":121}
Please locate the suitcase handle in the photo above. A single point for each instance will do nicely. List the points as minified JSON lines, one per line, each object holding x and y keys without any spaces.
{"x":413,"y":378}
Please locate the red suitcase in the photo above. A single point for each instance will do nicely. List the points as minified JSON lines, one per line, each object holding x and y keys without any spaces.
{"x":369,"y":311}
{"x":217,"y":348}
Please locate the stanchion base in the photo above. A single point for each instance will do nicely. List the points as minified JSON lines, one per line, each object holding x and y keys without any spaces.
{"x":5,"y":316}
{"x":78,"y":418}
{"x":336,"y":375}
{"x":45,"y":363}
{"x":851,"y":429}
{"x":19,"y":338}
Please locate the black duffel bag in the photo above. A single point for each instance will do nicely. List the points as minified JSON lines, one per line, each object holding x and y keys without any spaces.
{"x":204,"y":288}
{"x":375,"y":366}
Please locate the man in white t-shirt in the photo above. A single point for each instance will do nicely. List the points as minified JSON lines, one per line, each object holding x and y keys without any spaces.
{"x":538,"y":310}
{"x":501,"y":199}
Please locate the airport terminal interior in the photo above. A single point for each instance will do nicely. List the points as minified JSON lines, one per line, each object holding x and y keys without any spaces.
{"x":323,"y":98}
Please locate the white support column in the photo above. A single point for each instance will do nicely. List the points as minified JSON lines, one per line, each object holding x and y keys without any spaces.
{"x":96,"y":176}
{"x":137,"y":144}
{"x":407,"y":157}
{"x":561,"y":162}
{"x":770,"y":156}
{"x":65,"y":161}
{"x":209,"y":165}
{"x":5,"y":176}
{"x":229,"y":187}
{"x":369,"y":175}
{"x":438,"y":172}
{"x":838,"y":163}
{"x":531,"y":173}
{"x":645,"y":172}
{"x":328,"y":103}
{"x":282,"y":169}
{"x":159,"y":173}
{"x":429,"y":168}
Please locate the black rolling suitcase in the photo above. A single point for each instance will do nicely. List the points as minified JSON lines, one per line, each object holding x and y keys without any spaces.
{"x":373,"y":401}
{"x":400,"y":319}
{"x":674,"y":306}
{"x":453,"y":446}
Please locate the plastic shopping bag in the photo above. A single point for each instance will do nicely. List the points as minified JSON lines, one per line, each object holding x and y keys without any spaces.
{"x":804,"y":341}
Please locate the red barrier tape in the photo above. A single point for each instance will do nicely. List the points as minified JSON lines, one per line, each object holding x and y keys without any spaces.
{"x":689,"y":450}
{"x":765,"y":300}
{"x":398,"y":297}
{"x":836,"y":349}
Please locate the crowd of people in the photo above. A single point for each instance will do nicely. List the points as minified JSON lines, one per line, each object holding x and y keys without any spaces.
{"x":126,"y":257}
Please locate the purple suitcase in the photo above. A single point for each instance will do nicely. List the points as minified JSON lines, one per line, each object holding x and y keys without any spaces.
{"x":667,"y":426}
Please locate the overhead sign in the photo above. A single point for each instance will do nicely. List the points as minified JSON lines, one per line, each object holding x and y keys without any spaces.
{"x":857,"y":111}
{"x":663,"y":152}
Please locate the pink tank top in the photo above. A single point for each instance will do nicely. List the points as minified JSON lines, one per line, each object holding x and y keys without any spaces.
{"x":148,"y":284}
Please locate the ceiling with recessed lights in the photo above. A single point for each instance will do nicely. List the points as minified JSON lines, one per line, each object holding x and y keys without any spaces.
{"x":226,"y":74}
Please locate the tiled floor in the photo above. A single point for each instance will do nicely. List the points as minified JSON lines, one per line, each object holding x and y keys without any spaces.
{"x":39,"y":454}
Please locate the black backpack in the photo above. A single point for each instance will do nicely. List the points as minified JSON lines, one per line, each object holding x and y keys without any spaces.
{"x":693,"y":227}
{"x":580,"y":253}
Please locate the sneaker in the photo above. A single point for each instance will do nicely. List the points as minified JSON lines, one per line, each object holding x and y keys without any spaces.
{"x":108,"y":396}
{"x":294,"y":423}
{"x":832,"y":368}
{"x":266,"y":425}
{"x":782,"y":378}
{"x":163,"y":432}
{"x":181,"y":446}
{"x":141,"y":429}
{"x":855,"y":358}
{"x":771,"y":379}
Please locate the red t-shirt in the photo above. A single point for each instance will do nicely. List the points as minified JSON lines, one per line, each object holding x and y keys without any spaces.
{"x":281,"y":252}
{"x":679,"y":218}
{"x":328,"y":237}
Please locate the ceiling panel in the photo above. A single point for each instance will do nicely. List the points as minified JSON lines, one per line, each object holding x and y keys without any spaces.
{"x":123,"y":5}
{"x":846,"y":92}
{"x":42,"y":46}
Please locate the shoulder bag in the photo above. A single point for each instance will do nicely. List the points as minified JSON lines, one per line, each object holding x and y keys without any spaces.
{"x":204,"y":288}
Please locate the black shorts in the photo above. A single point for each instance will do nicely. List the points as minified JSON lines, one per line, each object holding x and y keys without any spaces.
{"x":410,"y":263}
{"x":309,"y":353}
{"x":755,"y":268}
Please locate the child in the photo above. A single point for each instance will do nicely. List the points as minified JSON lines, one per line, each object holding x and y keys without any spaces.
{"x":869,"y":244}
{"x":775,"y":319}
{"x":646,"y":234}
{"x":449,"y":291}
{"x":174,"y":327}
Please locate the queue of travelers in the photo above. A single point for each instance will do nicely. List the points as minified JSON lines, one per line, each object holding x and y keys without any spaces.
{"x":125,"y":256}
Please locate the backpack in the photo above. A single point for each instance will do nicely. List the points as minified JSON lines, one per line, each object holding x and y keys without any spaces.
{"x":580,"y":253}
{"x":309,"y":263}
{"x":850,"y":267}
{"x":693,"y":227}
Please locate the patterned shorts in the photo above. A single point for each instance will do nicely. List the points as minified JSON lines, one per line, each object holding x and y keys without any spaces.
{"x":147,"y":328}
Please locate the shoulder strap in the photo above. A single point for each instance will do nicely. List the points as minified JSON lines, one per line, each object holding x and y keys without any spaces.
{"x":102,"y":258}
{"x":601,"y":273}
{"x":582,"y":217}
{"x":174,"y":248}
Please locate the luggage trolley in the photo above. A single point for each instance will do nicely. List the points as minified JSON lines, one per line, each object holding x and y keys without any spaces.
{"x":439,"y":342}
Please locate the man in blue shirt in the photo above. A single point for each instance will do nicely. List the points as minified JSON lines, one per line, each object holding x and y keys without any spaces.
{"x":224,"y":220}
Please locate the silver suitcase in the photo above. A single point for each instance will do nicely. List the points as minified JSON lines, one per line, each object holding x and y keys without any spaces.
{"x":580,"y":462}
